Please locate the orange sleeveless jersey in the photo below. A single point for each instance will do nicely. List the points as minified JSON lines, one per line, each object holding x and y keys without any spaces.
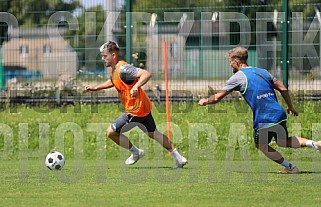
{"x":140,"y":105}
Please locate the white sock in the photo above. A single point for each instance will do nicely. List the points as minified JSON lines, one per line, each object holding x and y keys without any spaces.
{"x":311,"y":143}
{"x":175,"y":154}
{"x":287,"y":164}
{"x":134,"y":149}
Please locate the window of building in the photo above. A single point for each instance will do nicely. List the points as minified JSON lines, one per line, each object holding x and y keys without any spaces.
{"x":46,"y":49}
{"x":24,"y":50}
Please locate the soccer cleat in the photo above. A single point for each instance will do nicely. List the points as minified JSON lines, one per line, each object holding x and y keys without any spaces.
{"x":318,"y":145}
{"x":133,"y":158}
{"x":180,"y":163}
{"x":294,"y":170}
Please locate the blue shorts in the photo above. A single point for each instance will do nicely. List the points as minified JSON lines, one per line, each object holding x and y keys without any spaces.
{"x":265,"y":135}
{"x":126,"y":122}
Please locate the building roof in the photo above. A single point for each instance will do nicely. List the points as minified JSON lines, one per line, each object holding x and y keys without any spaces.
{"x":35,"y":33}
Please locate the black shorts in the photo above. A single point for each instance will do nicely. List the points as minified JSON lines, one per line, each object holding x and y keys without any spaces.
{"x":126,"y":122}
{"x":265,"y":135}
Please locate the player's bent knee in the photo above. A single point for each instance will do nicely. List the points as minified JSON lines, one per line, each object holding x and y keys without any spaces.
{"x":262,"y":147}
{"x":110,"y":132}
{"x":257,"y":146}
{"x":151,"y":134}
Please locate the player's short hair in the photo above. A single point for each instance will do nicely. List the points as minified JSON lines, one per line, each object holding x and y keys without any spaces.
{"x":110,"y":46}
{"x":239,"y":53}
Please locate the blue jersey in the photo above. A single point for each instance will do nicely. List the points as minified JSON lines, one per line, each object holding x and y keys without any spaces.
{"x":260,"y":96}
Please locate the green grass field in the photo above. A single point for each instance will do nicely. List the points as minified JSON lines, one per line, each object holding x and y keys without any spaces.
{"x":224,"y":167}
{"x":199,"y":184}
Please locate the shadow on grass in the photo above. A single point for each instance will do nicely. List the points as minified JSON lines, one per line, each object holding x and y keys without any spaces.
{"x":310,"y":172}
{"x":156,"y":167}
{"x":276,"y":172}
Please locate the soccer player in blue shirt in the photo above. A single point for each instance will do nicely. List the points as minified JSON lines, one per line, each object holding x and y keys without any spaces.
{"x":269,"y":118}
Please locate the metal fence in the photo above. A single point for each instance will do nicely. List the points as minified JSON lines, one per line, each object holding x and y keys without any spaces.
{"x":55,"y":47}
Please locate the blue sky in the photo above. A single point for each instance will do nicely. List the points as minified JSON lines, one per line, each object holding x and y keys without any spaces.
{"x":90,"y":3}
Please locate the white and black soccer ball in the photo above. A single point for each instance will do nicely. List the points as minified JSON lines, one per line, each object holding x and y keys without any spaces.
{"x":55,"y":160}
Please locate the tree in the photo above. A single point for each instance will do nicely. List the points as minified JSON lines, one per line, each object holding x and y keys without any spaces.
{"x":88,"y":35}
{"x":160,"y":6}
{"x":35,"y":13}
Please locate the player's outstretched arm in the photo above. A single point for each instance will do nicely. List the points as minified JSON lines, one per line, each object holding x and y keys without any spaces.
{"x":104,"y":85}
{"x":286,"y":96}
{"x":214,"y":98}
